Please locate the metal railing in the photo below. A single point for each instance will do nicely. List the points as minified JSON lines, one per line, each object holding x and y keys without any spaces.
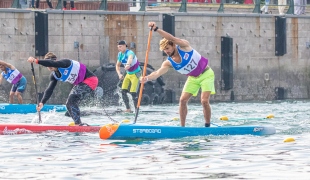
{"x":183,"y":4}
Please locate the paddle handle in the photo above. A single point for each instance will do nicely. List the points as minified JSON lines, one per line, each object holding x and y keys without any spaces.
{"x":36,"y":89}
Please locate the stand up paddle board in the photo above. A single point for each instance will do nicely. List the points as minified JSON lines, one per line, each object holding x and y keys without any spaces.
{"x":28,"y":108}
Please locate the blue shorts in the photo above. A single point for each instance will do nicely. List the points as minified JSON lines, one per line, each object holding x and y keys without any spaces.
{"x":20,"y":86}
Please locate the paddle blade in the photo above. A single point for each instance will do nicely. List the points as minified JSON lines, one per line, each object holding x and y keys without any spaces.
{"x":108,"y":130}
{"x":40,"y":119}
{"x":136,"y":116}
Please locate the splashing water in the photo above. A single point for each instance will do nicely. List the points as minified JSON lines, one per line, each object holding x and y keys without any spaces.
{"x":45,"y":117}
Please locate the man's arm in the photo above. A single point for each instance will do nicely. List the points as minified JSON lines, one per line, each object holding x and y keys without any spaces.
{"x":166,"y":65}
{"x":63,"y":63}
{"x":130,"y":57}
{"x":7,"y":65}
{"x":129,"y":61}
{"x":49,"y":90}
{"x":184,"y":44}
{"x":118,"y":69}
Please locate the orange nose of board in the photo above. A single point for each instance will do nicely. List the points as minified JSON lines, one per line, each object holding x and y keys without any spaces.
{"x":107,"y":131}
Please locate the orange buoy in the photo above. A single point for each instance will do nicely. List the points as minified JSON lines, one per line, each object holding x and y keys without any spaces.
{"x":108,"y":130}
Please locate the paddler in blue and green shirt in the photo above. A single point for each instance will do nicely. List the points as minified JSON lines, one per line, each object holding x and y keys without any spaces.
{"x":132,"y":66}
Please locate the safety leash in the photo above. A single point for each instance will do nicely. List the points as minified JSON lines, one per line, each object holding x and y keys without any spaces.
{"x":108,"y":115}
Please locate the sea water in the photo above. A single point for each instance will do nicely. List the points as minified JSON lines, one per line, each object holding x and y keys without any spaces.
{"x":58,"y":155}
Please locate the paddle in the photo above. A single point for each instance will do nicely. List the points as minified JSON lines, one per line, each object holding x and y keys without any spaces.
{"x":144,"y":73}
{"x":35,"y":86}
{"x":120,"y":81}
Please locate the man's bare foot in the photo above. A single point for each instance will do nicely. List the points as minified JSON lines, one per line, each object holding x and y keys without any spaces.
{"x":128,"y":110}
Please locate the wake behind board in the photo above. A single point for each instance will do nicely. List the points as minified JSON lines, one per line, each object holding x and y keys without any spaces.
{"x":28,"y":108}
{"x":23,"y":128}
{"x":132,"y":131}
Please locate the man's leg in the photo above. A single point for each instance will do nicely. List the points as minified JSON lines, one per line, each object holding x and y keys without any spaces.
{"x":126,"y":99}
{"x":49,"y":4}
{"x":282,"y":8}
{"x":134,"y":87}
{"x":183,"y":106}
{"x":72,"y":4}
{"x":77,"y":94}
{"x":134,"y":98}
{"x":191,"y":88}
{"x":19,"y":97}
{"x":125,"y":85}
{"x":11,"y":98}
{"x":73,"y":108}
{"x":266,"y":4}
{"x":37,"y":4}
{"x":205,"y":96}
{"x":64,"y":5}
{"x":207,"y":88}
{"x":21,"y":87}
{"x":12,"y":92}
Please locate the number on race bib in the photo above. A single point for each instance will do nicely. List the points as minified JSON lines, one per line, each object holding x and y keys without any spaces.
{"x":12,"y":76}
{"x":190,"y":66}
{"x":72,"y":78}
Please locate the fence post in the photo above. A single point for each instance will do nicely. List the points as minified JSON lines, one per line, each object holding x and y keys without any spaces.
{"x":142,"y":5}
{"x":103,"y":5}
{"x":16,"y":4}
{"x":183,"y":7}
{"x":221,"y":8}
{"x":290,"y":8}
{"x":257,"y":7}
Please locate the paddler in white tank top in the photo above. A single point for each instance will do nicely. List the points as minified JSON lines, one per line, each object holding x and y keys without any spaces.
{"x":186,"y":60}
{"x":73,"y":72}
{"x":13,"y":76}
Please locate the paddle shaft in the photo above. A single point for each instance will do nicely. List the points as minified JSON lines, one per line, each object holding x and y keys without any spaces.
{"x":144,"y":73}
{"x":120,"y":80}
{"x":35,"y":86}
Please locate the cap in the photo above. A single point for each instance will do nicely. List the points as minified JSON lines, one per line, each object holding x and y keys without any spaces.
{"x":122,"y":42}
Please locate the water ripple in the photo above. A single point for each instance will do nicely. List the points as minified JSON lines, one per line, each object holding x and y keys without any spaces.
{"x":55,"y":155}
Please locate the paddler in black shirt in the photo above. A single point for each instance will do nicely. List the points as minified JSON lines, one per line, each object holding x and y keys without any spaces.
{"x":74,"y":72}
